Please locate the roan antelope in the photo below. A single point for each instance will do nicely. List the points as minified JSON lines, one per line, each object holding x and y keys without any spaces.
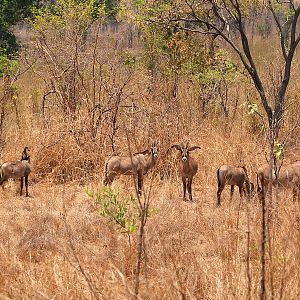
{"x":288,"y":177}
{"x":230,"y":175}
{"x":17,"y":169}
{"x":187,"y":167}
{"x":139,"y":164}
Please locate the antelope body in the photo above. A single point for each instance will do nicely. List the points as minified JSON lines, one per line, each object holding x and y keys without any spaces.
{"x":187,"y":167}
{"x":17,"y":169}
{"x":139,"y":164}
{"x":231,"y":175}
{"x":288,"y":177}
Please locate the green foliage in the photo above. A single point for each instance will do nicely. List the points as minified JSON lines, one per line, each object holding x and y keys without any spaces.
{"x":171,"y":52}
{"x":122,"y":212}
{"x":139,"y":3}
{"x":66,"y":21}
{"x":7,"y":66}
{"x":278,"y":151}
{"x":77,"y":15}
{"x":219,"y":68}
{"x":129,"y":59}
{"x":12,"y":11}
{"x":252,"y":108}
{"x":111,"y":7}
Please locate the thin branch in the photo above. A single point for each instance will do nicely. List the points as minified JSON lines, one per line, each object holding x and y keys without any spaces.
{"x":294,"y":25}
{"x":280,"y":30}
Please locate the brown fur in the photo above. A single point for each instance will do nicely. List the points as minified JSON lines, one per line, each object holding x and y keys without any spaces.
{"x":231,"y":175}
{"x":289,"y":177}
{"x":17,"y":169}
{"x":139,"y":165}
{"x":187,"y":167}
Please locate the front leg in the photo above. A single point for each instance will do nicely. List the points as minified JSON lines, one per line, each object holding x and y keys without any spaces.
{"x":231,"y":192}
{"x":189,"y":186}
{"x":184,"y":187}
{"x":140,"y":183}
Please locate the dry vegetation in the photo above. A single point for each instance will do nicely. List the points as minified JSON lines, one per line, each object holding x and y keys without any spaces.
{"x":54,"y":245}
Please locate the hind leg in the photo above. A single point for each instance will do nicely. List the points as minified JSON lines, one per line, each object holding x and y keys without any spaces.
{"x":219,"y":192}
{"x":21,"y":179}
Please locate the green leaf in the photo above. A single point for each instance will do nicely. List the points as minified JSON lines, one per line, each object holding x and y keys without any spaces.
{"x":278,"y":150}
{"x":252,"y":108}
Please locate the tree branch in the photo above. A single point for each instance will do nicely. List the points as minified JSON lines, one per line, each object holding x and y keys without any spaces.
{"x":279,"y":28}
{"x":287,"y":68}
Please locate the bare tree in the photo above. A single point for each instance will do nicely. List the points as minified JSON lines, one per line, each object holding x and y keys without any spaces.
{"x":211,"y":17}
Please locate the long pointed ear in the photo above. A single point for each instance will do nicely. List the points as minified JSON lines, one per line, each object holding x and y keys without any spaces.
{"x":194,"y":148}
{"x":143,"y":152}
{"x":177,"y":147}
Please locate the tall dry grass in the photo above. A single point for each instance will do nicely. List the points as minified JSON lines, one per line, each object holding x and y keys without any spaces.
{"x":55,"y":245}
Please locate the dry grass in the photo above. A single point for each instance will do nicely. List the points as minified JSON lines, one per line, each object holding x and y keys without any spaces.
{"x":55,"y":245}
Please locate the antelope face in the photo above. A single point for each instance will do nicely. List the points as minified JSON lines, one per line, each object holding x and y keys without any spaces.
{"x":185,"y":152}
{"x":154,"y":150}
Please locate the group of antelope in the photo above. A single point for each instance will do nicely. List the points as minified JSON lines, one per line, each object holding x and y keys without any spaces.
{"x":140,"y":163}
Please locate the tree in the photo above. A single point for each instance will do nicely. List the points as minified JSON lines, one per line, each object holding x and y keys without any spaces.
{"x":12,"y":11}
{"x":218,"y":18}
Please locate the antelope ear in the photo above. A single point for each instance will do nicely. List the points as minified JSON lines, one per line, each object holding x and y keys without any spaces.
{"x":143,"y":152}
{"x":194,"y":148}
{"x":177,"y":147}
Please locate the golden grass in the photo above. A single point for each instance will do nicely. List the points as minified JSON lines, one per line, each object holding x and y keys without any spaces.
{"x":192,"y":249}
{"x":55,"y":245}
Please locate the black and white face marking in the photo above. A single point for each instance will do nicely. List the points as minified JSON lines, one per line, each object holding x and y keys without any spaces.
{"x":184,"y":154}
{"x":154,"y":150}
